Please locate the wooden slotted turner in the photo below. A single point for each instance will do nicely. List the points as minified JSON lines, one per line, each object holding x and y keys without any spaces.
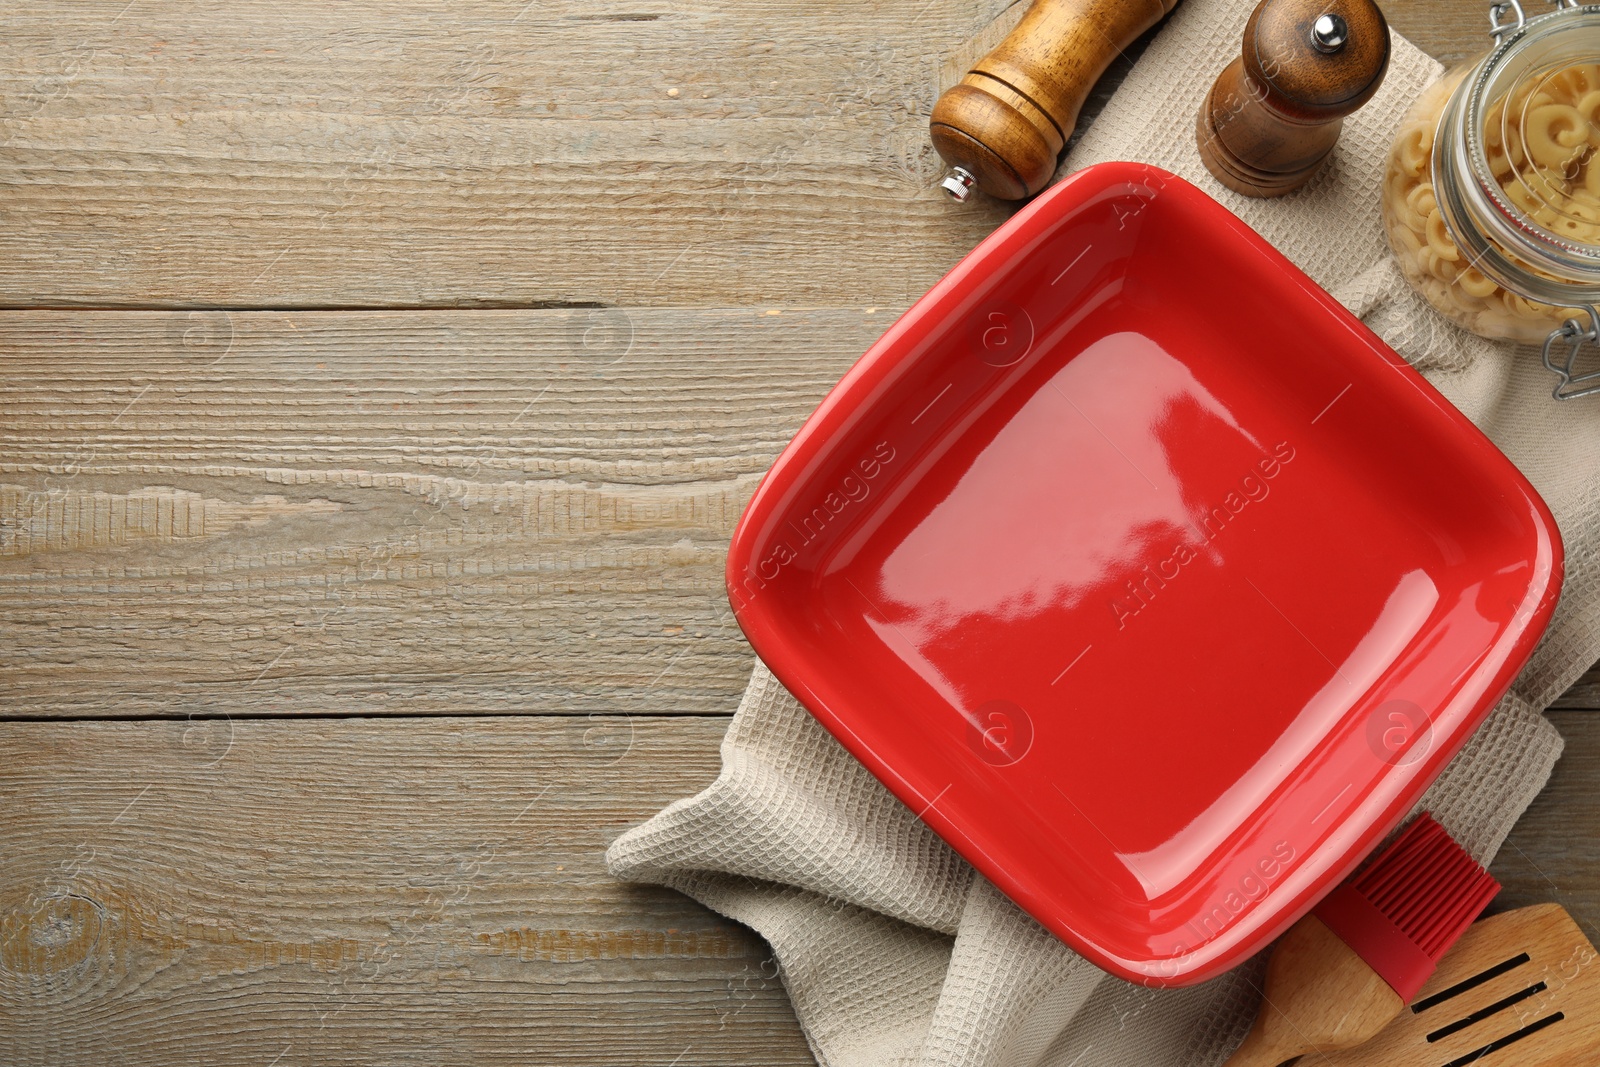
{"x":1520,"y":989}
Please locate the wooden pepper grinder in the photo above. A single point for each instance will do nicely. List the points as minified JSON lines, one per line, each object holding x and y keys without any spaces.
{"x":1002,"y":127}
{"x":1274,"y":113}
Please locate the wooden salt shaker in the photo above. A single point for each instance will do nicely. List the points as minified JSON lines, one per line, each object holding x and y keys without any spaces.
{"x":1002,"y":127}
{"x":1274,"y":113}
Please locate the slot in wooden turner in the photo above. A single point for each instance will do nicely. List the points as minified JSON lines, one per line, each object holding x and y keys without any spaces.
{"x":1520,"y":989}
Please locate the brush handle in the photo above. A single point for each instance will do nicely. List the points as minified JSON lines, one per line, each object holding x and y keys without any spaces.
{"x":1004,"y":124}
{"x":1320,"y":997}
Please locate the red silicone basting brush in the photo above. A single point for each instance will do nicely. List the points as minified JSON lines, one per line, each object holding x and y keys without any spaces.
{"x":1342,"y":973}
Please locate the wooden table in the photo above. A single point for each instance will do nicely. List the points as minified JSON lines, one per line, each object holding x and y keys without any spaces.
{"x":381,"y":384}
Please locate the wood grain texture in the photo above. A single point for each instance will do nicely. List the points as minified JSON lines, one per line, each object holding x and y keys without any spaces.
{"x":1271,"y":118}
{"x":441,"y":154}
{"x":423,"y":890}
{"x":362,"y":892}
{"x":504,"y":153}
{"x":1553,"y":854}
{"x":1448,"y":30}
{"x":687,"y":209}
{"x":423,"y":512}
{"x":1006,"y":121}
{"x":1585,"y":692}
{"x":1319,"y":996}
{"x":1548,"y":1005}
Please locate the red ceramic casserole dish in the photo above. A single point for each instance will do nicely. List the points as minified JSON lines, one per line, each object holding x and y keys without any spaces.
{"x":1147,"y":575}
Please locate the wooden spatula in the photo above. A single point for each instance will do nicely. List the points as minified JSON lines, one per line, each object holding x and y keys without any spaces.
{"x":1520,"y":989}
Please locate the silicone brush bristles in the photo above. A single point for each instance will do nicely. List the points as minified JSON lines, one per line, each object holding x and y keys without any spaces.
{"x":1428,"y":886}
{"x":1402,"y":914}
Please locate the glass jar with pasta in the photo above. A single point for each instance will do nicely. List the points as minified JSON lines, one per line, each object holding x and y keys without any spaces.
{"x":1491,"y":198}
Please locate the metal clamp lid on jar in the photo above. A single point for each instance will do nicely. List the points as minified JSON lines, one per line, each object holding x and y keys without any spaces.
{"x":1496,"y":237}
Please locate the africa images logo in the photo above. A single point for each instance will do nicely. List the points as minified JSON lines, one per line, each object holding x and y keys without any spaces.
{"x":850,"y":490}
{"x":1399,"y":732}
{"x":1249,"y":887}
{"x":1254,"y":487}
{"x":1000,"y":732}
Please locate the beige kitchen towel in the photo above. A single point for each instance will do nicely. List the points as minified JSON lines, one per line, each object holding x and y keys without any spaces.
{"x":893,"y":950}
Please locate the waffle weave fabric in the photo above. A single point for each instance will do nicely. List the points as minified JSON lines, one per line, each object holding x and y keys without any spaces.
{"x":893,"y":950}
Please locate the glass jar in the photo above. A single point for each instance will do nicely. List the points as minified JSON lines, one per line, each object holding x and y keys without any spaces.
{"x":1491,"y":196}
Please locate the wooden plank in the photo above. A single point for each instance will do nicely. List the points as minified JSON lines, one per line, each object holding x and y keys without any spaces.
{"x":423,"y":890}
{"x":492,"y":154}
{"x":362,"y":892}
{"x":628,"y":152}
{"x":1553,"y":854}
{"x":1585,"y":692}
{"x":418,"y":512}
{"x":389,"y":512}
{"x":1450,"y":31}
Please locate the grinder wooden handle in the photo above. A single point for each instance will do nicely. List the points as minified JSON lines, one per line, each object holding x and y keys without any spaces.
{"x":1274,"y":113}
{"x":1002,"y":127}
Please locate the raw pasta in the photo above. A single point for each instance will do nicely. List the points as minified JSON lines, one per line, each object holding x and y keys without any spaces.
{"x":1541,"y":140}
